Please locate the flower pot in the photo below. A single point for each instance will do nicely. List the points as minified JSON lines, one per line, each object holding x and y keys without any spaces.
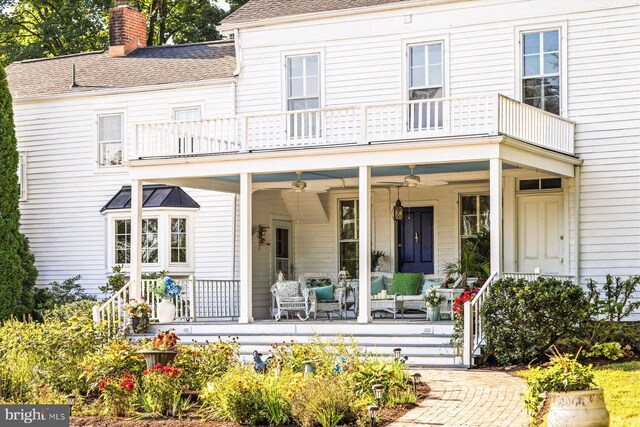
{"x":166,"y":311}
{"x":578,"y":409}
{"x":433,"y":313}
{"x":140,"y":325}
{"x":153,"y":357}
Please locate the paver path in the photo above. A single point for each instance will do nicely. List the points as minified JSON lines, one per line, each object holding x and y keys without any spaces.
{"x":468,"y":398}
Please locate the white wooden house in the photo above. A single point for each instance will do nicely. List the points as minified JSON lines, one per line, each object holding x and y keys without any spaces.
{"x":517,"y":116}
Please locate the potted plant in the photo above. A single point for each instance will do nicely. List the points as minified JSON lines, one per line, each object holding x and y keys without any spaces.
{"x":473,"y":261}
{"x":167,"y":289}
{"x":138,"y":312}
{"x":433,"y":301}
{"x":575,"y":400}
{"x":161,"y":350}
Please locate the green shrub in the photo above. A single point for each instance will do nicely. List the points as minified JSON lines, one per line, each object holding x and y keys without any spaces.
{"x":609,"y":350}
{"x":69,"y":291}
{"x":326,"y":402}
{"x":114,"y":359}
{"x":161,"y":391}
{"x":383,"y":371}
{"x":326,"y":353}
{"x":565,"y":374}
{"x":522,"y":319}
{"x":201,"y":364}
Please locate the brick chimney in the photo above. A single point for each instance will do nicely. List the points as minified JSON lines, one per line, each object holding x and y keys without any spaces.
{"x":127,"y":30}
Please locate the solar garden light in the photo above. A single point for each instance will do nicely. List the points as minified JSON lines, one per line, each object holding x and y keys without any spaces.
{"x":397,"y":353}
{"x":309,"y":367}
{"x":378,"y":390}
{"x":415,"y":380}
{"x":373,"y":414}
{"x":71,"y":399}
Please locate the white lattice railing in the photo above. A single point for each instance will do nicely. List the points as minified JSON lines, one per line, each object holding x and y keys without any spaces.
{"x":533,"y":276}
{"x":488,"y":115}
{"x":198,"y":299}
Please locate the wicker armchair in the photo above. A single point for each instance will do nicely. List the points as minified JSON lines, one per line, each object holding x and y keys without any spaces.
{"x":336,"y":305}
{"x":291,"y":297}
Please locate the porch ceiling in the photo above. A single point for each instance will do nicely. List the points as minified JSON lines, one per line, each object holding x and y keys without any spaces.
{"x":437,"y":168}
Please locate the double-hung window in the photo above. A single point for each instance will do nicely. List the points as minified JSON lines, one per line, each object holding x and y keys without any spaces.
{"x":474,"y":216}
{"x":178,"y":240}
{"x":110,"y":139}
{"x":349,"y":235}
{"x":186,"y":118}
{"x":541,"y":70}
{"x":303,"y":93}
{"x":426,"y":82}
{"x":123,"y":241}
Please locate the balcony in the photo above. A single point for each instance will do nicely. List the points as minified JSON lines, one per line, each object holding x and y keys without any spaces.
{"x":486,"y":115}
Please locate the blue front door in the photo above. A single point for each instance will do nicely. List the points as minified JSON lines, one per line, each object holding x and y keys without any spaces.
{"x":415,"y":241}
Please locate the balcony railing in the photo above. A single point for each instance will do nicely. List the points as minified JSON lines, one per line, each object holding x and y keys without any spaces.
{"x":359,"y":124}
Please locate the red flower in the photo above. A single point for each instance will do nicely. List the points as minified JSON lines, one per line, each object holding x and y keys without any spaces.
{"x":103,"y":383}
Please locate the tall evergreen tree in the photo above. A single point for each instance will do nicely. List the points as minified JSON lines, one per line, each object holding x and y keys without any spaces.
{"x":16,"y":283}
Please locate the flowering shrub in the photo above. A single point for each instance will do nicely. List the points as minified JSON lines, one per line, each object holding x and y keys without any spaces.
{"x":201,"y":364}
{"x":161,"y":393}
{"x":458,"y":321}
{"x":117,"y":393}
{"x":135,"y":308}
{"x":166,"y":287}
{"x":114,"y":359}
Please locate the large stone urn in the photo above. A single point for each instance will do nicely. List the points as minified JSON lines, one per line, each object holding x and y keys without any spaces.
{"x":578,"y":409}
{"x":154,"y":357}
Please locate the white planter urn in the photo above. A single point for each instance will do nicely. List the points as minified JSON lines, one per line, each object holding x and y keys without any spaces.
{"x":578,"y":409}
{"x":166,"y":311}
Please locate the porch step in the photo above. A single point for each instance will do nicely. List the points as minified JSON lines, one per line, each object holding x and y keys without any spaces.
{"x":424,"y":344}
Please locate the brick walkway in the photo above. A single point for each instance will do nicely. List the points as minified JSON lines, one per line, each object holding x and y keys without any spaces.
{"x":462,"y":398}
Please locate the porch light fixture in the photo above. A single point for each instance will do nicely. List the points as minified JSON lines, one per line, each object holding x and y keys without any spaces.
{"x":378,"y":390}
{"x":398,"y":209}
{"x":373,"y":414}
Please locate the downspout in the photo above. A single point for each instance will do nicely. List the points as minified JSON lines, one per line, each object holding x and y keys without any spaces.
{"x":576,"y":203}
{"x":234,"y":112}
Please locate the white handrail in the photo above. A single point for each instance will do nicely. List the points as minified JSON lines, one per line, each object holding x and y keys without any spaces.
{"x":112,"y":310}
{"x":473,"y":336}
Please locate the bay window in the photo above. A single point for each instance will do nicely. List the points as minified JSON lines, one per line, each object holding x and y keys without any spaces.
{"x":122,"y":241}
{"x":178,"y":240}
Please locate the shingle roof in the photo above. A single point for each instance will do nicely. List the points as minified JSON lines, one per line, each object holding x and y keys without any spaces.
{"x":256,"y":10}
{"x":153,"y":196}
{"x":142,"y":67}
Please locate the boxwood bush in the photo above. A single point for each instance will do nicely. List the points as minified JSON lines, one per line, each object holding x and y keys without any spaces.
{"x":522,"y":319}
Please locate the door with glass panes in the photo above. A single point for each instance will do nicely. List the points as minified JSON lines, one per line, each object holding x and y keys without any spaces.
{"x":282,"y":250}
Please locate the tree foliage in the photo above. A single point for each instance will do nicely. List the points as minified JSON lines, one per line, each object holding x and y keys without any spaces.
{"x":16,"y":261}
{"x":44,"y":28}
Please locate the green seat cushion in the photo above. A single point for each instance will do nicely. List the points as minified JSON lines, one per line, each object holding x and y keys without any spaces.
{"x":405,"y":283}
{"x":377,"y":285}
{"x":324,"y":293}
{"x":431,"y":283}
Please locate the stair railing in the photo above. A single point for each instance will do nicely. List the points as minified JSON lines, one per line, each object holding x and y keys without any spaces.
{"x":112,"y":310}
{"x":473,"y":337}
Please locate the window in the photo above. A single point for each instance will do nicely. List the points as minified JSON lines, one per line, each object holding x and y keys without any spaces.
{"x":474,"y":216}
{"x":22,"y":176}
{"x":186,"y":114}
{"x":349,"y":235}
{"x":110,"y":137}
{"x":303,"y":93}
{"x":540,"y":184}
{"x":149,"y":241}
{"x":426,"y":81}
{"x":178,"y":240}
{"x":541,"y":70}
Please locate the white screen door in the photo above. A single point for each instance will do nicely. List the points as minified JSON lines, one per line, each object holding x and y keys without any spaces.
{"x":541,"y":234}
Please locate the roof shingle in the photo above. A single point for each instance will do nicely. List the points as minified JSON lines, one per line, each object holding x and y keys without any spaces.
{"x":142,"y":67}
{"x":255,"y":10}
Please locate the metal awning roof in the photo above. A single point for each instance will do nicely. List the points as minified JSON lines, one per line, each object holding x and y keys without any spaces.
{"x":153,"y":196}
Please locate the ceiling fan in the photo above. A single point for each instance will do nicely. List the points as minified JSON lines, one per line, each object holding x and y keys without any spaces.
{"x":298,"y":186}
{"x":412,"y":180}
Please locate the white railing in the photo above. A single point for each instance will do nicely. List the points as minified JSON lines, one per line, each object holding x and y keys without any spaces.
{"x":198,"y":299}
{"x":473,"y":336}
{"x":533,"y":276}
{"x":535,"y":126}
{"x":358,"y":124}
{"x":184,"y":138}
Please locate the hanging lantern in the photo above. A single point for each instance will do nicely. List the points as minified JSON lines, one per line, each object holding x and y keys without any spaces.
{"x":398,"y":209}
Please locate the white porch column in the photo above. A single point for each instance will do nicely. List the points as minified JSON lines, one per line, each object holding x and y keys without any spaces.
{"x":364,"y":204}
{"x":246,"y":213}
{"x":495,"y":213}
{"x":136,"y":238}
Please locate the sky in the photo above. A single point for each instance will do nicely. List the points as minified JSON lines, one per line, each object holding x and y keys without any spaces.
{"x":223,"y":4}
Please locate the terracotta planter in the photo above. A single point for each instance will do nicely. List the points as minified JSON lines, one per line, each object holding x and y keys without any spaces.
{"x":153,"y":357}
{"x":578,"y":409}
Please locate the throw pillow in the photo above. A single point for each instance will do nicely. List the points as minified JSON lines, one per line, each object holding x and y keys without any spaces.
{"x":377,"y":285}
{"x":405,"y":283}
{"x":324,"y":293}
{"x":431,"y":283}
{"x":288,"y":289}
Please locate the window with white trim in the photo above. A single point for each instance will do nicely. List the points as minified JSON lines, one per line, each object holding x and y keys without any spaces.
{"x":474,"y":215}
{"x":179,"y":245}
{"x":349,"y":235}
{"x":22,"y":176}
{"x":303,"y":93}
{"x":541,"y":70}
{"x":186,"y":114}
{"x":122,"y":247}
{"x":110,"y":139}
{"x":426,"y":81}
{"x":182,"y":114}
